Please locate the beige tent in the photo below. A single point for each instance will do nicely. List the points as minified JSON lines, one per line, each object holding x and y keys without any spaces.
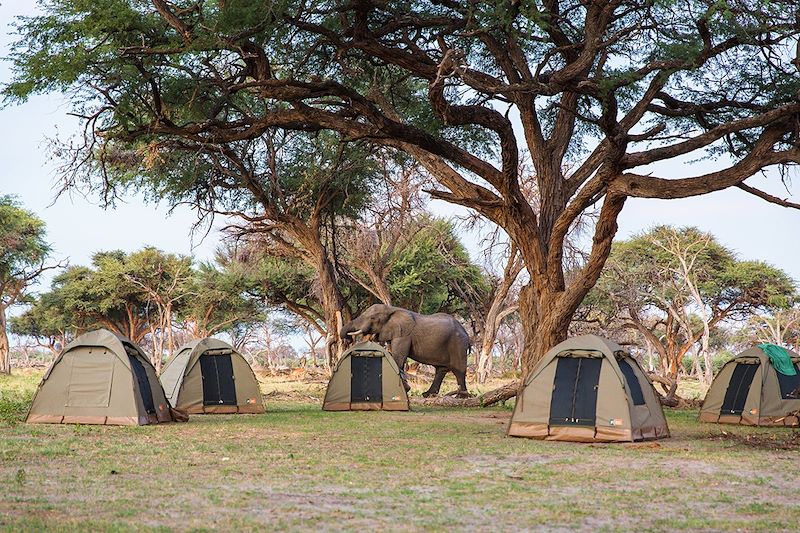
{"x":587,"y":389}
{"x":100,"y":378}
{"x":209,"y":376}
{"x":748,"y":390}
{"x":366,"y":378}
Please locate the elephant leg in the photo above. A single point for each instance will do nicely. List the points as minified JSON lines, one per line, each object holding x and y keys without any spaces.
{"x":404,"y":379}
{"x":399,"y":349}
{"x":461,"y":378}
{"x":437,"y":382}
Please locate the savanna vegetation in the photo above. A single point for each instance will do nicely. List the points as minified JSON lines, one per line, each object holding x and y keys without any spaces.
{"x":531,"y":114}
{"x":319,"y":134}
{"x":296,"y":468}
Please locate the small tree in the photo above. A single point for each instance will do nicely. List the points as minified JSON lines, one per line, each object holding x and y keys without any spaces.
{"x":47,"y":321}
{"x":432,"y":272}
{"x":219,"y":299}
{"x":164,"y":280}
{"x":503,"y":303}
{"x":781,"y":327}
{"x":23,"y":253}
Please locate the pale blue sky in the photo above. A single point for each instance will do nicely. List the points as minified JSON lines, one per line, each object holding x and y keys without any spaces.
{"x":77,"y":227}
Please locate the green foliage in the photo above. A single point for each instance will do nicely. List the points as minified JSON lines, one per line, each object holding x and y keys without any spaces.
{"x":640,"y":272}
{"x":718,"y":360}
{"x":219,"y":298}
{"x":432,"y":271}
{"x":286,"y":280}
{"x":16,"y":394}
{"x":47,"y":316}
{"x":122,"y":291}
{"x":23,"y":249}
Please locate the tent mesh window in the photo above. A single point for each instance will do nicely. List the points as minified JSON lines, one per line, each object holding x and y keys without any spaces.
{"x":218,"y":385}
{"x":738,"y":388}
{"x":366,"y":383}
{"x":789,"y":384}
{"x":632,"y":382}
{"x":144,"y":384}
{"x":574,"y":399}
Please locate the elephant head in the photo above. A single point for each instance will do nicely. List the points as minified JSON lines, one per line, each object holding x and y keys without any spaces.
{"x":382,"y":321}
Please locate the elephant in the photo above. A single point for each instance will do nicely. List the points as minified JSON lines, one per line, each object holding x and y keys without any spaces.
{"x":438,"y":340}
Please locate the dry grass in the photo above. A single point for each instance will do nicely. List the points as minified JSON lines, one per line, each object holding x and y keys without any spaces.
{"x":298,"y":468}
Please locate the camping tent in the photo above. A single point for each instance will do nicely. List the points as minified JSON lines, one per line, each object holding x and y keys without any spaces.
{"x":100,"y":378}
{"x":209,"y":376}
{"x":748,"y":390}
{"x":366,"y":378}
{"x":587,"y":389}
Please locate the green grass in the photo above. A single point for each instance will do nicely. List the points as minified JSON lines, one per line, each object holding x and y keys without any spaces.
{"x":16,"y":393}
{"x":298,"y":468}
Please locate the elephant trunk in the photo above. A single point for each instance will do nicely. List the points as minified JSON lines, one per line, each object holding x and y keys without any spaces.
{"x":348,"y":331}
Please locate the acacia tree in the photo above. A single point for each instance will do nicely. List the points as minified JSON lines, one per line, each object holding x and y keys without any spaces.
{"x":23,"y":252}
{"x":781,"y":327}
{"x":87,"y":297}
{"x":218,"y":299}
{"x":609,"y":87}
{"x":163,"y":279}
{"x":674,"y":286}
{"x":47,"y":321}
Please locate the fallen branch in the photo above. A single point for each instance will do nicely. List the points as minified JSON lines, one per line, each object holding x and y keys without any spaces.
{"x":670,"y":386}
{"x":484,"y":400}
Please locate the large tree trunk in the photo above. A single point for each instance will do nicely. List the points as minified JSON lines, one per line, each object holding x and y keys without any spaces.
{"x":5,"y":348}
{"x":544,"y":325}
{"x":332,"y":305}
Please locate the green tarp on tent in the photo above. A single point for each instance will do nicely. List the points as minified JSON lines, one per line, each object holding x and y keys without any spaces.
{"x":779,"y":358}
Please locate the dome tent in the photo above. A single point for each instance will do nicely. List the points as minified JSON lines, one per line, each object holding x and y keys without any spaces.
{"x":100,"y":378}
{"x":210,"y":376}
{"x":587,"y":389}
{"x":749,"y":390}
{"x":366,"y":379}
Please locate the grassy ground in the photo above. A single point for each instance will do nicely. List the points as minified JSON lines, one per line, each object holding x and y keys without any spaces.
{"x":298,"y":468}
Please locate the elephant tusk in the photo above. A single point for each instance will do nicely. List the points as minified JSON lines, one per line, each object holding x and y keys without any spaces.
{"x":354,"y":333}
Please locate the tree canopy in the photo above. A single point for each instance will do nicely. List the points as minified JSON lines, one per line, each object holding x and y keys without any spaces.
{"x":23,"y":252}
{"x":674,"y":285}
{"x":593,"y":92}
{"x":143,"y":295}
{"x":430,"y":271}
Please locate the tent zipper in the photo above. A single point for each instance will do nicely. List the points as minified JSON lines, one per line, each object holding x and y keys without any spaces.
{"x":219,"y":387}
{"x":575,"y":390}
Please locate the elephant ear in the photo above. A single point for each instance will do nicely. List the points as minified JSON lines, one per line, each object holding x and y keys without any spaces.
{"x":400,"y":324}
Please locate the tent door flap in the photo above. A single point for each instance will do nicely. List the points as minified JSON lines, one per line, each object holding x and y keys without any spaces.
{"x":366,"y":381}
{"x":789,"y":385}
{"x":574,"y":398}
{"x":632,"y":382}
{"x":738,"y":389}
{"x":218,"y":385}
{"x":144,"y":385}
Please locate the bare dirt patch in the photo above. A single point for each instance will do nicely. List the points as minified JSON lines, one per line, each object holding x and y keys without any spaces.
{"x":768,"y":441}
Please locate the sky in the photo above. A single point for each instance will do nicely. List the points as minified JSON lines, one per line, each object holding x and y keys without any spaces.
{"x":78,"y":227}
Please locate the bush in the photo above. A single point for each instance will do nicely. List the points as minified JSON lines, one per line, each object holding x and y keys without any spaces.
{"x":16,"y":394}
{"x":14,"y":406}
